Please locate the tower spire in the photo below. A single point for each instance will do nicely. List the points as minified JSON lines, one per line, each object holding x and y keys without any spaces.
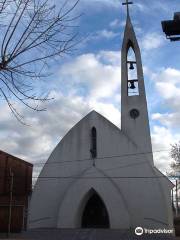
{"x":127,"y":3}
{"x":134,"y":114}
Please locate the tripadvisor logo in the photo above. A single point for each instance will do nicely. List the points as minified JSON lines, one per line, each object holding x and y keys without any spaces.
{"x":139,"y":231}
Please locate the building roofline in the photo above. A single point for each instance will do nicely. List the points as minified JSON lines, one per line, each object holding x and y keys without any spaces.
{"x":83,"y":119}
{"x":16,"y":158}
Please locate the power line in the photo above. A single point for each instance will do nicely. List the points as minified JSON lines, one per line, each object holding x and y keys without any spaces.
{"x":115,"y":177}
{"x":99,"y":158}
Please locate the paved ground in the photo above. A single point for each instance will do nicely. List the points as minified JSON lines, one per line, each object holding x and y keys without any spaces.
{"x":85,"y":234}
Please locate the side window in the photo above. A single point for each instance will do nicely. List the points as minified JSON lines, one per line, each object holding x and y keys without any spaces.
{"x":93,"y":149}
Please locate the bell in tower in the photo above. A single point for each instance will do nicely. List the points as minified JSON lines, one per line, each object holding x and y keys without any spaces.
{"x":131,"y":66}
{"x":132,"y":84}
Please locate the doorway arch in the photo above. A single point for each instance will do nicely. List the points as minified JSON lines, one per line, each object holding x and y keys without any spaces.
{"x":95,"y":213}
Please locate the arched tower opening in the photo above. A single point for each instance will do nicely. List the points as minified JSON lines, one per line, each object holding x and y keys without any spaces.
{"x":132,"y":83}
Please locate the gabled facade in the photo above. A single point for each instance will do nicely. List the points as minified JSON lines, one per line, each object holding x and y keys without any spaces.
{"x":133,"y":191}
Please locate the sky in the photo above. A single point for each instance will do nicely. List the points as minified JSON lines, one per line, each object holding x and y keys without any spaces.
{"x":90,"y":79}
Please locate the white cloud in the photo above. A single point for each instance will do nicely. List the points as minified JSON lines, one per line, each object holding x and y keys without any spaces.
{"x":162,"y":138}
{"x":168,"y":75}
{"x":101,"y":35}
{"x":106,"y":34}
{"x":36,"y":142}
{"x":152,"y":41}
{"x":170,"y":120}
{"x":141,"y":7}
{"x":112,"y":3}
{"x":111,"y":57}
{"x":98,"y":74}
{"x":167,"y":83}
{"x":108,"y":110}
{"x":168,"y":131}
{"x":116,"y":23}
{"x":168,"y":90}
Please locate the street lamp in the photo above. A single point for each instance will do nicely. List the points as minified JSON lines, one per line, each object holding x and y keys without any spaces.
{"x":172,"y":28}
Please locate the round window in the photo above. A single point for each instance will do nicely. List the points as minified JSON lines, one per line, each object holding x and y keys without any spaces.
{"x":134,"y":113}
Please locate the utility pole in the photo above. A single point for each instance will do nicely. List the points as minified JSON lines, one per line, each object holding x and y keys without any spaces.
{"x":177,"y":198}
{"x":172,"y":198}
{"x":10,"y":201}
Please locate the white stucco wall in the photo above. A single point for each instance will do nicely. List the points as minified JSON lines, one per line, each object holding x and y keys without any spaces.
{"x":58,"y":202}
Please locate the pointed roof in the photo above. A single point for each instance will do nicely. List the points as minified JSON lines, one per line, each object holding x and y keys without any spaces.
{"x":95,"y":116}
{"x":130,"y":40}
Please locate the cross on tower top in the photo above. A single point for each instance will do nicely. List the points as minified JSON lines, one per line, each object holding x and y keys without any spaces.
{"x":127,"y":3}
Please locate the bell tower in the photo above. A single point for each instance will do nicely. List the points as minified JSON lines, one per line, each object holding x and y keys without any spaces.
{"x":134,"y":114}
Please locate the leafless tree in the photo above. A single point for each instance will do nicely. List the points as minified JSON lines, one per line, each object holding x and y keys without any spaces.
{"x":32,"y":33}
{"x":175,"y":155}
{"x":175,"y":170}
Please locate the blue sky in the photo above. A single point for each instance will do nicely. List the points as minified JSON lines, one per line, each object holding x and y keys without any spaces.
{"x":90,"y":78}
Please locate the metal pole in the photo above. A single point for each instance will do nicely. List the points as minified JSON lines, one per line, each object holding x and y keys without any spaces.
{"x":10,"y":201}
{"x":23,"y":223}
{"x":178,"y":190}
{"x":176,"y":197}
{"x":172,"y":198}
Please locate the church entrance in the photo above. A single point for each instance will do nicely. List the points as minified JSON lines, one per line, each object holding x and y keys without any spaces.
{"x":95,"y":214}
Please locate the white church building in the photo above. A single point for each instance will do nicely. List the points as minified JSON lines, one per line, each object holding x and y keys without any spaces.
{"x":100,"y":176}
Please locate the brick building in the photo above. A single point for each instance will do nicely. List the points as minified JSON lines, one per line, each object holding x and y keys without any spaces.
{"x":15,"y":190}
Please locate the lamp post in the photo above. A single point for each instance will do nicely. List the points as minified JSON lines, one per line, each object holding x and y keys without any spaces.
{"x":172,"y":28}
{"x":10,"y":202}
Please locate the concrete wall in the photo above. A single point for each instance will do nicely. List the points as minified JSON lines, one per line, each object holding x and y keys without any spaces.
{"x":130,"y":201}
{"x":22,"y":187}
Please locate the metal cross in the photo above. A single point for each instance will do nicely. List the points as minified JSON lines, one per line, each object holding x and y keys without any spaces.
{"x":127,"y":3}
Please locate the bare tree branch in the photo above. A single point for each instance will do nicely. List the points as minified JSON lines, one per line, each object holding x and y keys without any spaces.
{"x":33,"y":32}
